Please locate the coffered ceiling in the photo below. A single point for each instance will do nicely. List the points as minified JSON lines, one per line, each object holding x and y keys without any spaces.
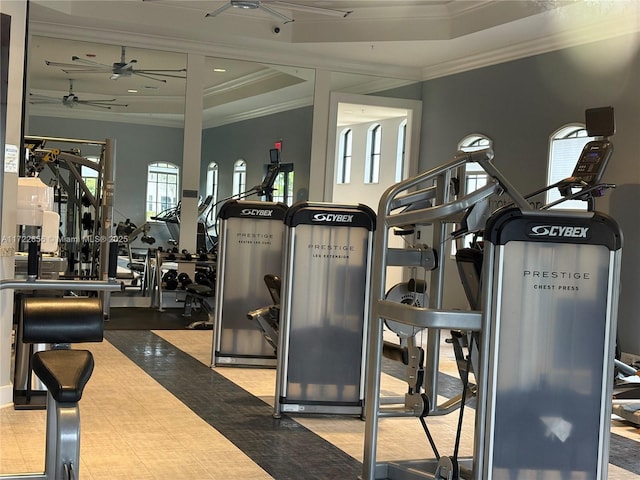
{"x":257,"y":63}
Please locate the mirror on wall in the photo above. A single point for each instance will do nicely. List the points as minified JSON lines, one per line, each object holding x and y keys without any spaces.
{"x":84,"y":80}
{"x":250,"y":109}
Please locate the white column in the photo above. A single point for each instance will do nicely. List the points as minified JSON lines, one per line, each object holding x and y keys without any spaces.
{"x":191,"y":152}
{"x":9,"y":191}
{"x":319,"y":136}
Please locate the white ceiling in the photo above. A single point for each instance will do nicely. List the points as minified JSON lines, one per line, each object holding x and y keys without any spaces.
{"x":381,"y":44}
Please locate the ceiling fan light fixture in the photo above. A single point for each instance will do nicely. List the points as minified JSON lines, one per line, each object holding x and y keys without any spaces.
{"x":248,"y":4}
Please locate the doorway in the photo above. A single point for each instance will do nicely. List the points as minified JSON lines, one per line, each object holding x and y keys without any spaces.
{"x":384,"y":145}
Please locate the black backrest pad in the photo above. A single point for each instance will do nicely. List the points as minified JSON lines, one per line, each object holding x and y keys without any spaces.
{"x":62,"y":320}
{"x":469,"y":262}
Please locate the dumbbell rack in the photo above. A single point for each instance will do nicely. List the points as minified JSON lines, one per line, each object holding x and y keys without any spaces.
{"x":167,"y":287}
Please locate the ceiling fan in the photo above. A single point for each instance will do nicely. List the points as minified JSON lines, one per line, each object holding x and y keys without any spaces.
{"x":71,"y":100}
{"x":260,"y":5}
{"x":123,"y":68}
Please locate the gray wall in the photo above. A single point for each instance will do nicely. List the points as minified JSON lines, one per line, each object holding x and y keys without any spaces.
{"x":136,"y":147}
{"x":251,"y":141}
{"x":520,"y":104}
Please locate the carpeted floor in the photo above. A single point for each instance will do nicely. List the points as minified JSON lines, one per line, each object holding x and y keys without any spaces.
{"x":137,"y":318}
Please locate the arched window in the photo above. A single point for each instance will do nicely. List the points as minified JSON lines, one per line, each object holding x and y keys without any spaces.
{"x":211,"y":188}
{"x":372,"y":162}
{"x":565,"y":146}
{"x":344,"y":157}
{"x":212,"y":181}
{"x":239,"y":177}
{"x":475,"y":177}
{"x":402,"y":141}
{"x":162,"y":187}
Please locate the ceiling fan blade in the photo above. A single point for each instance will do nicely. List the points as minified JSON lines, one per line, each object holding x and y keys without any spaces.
{"x":37,"y":95}
{"x":59,"y":64}
{"x":98,"y":103}
{"x":218,"y":11}
{"x":35,"y":100}
{"x":89,"y":63}
{"x":107,"y":101}
{"x":151,"y":73}
{"x":85,"y":70}
{"x":275,"y":13}
{"x":106,"y":107}
{"x":161,"y":70}
{"x":312,"y":9}
{"x":137,"y":72}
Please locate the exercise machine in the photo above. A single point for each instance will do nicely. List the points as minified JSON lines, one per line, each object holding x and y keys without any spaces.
{"x":249,"y":247}
{"x":322,"y":336}
{"x":268,"y":318}
{"x":543,"y":334}
{"x":85,"y":205}
{"x":59,"y":322}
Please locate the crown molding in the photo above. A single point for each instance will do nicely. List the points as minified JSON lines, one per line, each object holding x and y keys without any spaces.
{"x":258,"y":51}
{"x":156,"y":120}
{"x":606,"y":28}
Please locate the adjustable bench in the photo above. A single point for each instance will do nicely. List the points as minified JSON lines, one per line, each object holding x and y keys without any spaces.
{"x":65,"y":372}
{"x":199,"y":296}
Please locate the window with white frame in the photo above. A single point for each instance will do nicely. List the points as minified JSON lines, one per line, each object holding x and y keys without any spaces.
{"x":344,"y":157}
{"x":475,"y":176}
{"x":211,"y":187}
{"x":162,"y":187}
{"x":372,"y":162}
{"x":283,"y":185}
{"x":90,"y":175}
{"x":239,"y":177}
{"x":402,"y":140}
{"x":565,"y":147}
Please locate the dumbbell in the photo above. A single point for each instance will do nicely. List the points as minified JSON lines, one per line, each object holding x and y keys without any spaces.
{"x":184,"y":279}
{"x":170,"y":280}
{"x":202,"y":278}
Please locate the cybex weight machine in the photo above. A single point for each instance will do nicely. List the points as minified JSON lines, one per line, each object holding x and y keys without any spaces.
{"x":541,"y":346}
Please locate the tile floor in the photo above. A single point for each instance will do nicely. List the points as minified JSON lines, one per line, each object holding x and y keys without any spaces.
{"x":153,"y":409}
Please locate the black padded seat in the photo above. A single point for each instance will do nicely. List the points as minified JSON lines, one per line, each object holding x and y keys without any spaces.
{"x":64,"y":372}
{"x":197,"y":289}
{"x":62,"y":320}
{"x":136,"y":267}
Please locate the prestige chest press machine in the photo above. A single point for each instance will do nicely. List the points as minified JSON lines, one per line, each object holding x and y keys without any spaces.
{"x":543,"y":331}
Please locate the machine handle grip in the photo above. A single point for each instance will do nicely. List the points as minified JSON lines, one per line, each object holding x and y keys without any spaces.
{"x":113,"y":259}
{"x":32,"y":260}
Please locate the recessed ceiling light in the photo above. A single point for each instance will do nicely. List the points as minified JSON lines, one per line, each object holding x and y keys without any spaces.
{"x":219,"y":69}
{"x":132,"y":90}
